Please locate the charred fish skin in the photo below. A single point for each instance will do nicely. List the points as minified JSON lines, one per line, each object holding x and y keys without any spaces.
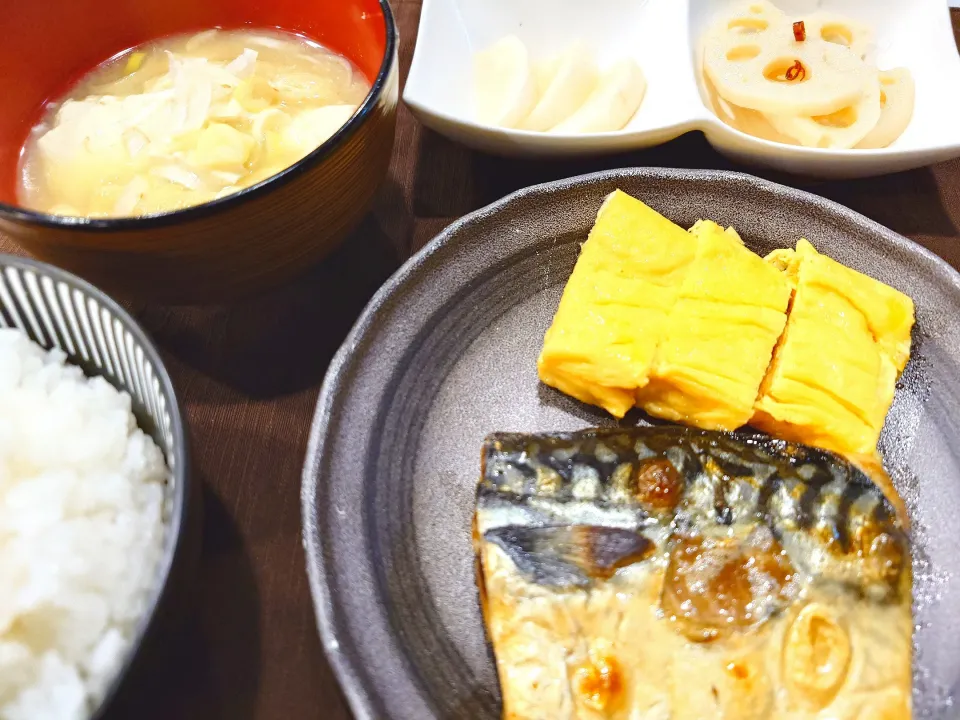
{"x":663,"y":482}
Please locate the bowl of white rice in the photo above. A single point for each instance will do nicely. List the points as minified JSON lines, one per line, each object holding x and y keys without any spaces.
{"x":93,"y":493}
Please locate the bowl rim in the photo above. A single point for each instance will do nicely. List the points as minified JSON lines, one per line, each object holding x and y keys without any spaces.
{"x":363,"y":694}
{"x":197,"y":212}
{"x":174,"y":544}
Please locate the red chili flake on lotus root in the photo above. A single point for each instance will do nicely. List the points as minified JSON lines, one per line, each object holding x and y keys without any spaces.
{"x":796,"y":71}
{"x":799,"y":31}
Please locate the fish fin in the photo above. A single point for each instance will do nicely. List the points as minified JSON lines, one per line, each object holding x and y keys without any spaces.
{"x":569,"y":555}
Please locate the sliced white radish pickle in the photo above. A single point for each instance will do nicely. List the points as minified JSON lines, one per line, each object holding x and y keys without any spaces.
{"x":612,"y":104}
{"x":544,"y":71}
{"x":572,"y":80}
{"x":505,"y":90}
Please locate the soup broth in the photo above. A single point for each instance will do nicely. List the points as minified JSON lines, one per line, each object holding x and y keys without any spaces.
{"x":185,"y":120}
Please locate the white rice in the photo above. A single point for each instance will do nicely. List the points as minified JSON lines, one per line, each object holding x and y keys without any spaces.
{"x":81,"y":533}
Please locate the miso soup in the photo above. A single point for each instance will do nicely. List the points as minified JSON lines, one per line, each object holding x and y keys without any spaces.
{"x":185,"y":120}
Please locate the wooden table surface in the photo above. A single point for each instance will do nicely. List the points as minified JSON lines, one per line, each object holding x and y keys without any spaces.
{"x":248,"y":376}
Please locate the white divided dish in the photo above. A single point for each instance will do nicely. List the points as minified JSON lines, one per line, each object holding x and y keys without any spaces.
{"x":664,"y":38}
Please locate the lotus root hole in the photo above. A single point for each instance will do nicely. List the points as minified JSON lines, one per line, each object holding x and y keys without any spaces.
{"x":786,"y":70}
{"x":837,"y":34}
{"x":840,"y":119}
{"x":743,"y":52}
{"x":748,"y":25}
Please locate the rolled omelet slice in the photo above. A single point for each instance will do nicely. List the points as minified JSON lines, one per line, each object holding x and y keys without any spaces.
{"x":839,"y":398}
{"x":720,"y":335}
{"x":888,"y":312}
{"x":602,"y":343}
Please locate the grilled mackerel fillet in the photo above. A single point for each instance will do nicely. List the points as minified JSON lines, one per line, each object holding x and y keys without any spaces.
{"x":667,"y":573}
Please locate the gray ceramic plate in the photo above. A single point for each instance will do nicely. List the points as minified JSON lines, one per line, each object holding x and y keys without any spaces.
{"x":445,"y":353}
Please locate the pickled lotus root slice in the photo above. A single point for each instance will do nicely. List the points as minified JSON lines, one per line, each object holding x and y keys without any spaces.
{"x":751,"y":17}
{"x":816,"y":657}
{"x":842,"y":129}
{"x":746,"y":121}
{"x":896,"y":108}
{"x":839,"y":30}
{"x":770,"y":72}
{"x":714,"y":587}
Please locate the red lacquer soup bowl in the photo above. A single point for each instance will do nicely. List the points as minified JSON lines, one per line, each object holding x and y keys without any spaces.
{"x":229,"y":247}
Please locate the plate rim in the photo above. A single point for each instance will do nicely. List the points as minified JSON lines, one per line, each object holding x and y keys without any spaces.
{"x":349,"y":677}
